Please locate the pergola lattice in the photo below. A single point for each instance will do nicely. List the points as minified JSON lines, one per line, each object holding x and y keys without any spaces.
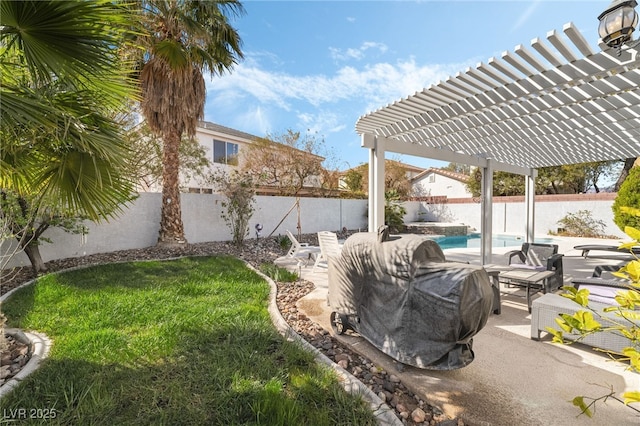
{"x":559,"y":102}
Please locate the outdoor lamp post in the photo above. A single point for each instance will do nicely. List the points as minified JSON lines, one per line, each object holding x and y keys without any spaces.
{"x":617,"y":23}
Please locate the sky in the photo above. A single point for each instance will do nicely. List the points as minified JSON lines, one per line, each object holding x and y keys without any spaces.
{"x":317,"y":66}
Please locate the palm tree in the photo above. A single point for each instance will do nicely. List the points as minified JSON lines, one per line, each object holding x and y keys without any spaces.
{"x":181,"y":39}
{"x":62,"y":86}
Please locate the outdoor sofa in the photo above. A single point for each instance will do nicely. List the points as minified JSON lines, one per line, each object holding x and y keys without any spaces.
{"x":602,"y":291}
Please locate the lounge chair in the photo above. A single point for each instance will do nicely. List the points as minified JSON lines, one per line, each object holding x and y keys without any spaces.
{"x":586,"y":248}
{"x":329,"y":247}
{"x":299,"y":249}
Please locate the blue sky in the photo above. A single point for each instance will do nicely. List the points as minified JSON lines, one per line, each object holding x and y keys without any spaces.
{"x":317,"y":66}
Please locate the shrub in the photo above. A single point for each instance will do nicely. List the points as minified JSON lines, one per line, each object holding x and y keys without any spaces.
{"x":629,"y":196}
{"x":581,"y":224}
{"x":239,"y":190}
{"x":284,"y":242}
{"x":393,"y":211}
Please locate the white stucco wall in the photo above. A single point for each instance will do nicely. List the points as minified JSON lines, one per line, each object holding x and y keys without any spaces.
{"x":138,"y":225}
{"x":509,"y":217}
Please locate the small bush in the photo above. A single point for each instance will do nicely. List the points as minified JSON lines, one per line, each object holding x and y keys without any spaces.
{"x":628,"y":196}
{"x":277,"y":273}
{"x":581,"y":224}
{"x":284,"y":242}
{"x":394,"y":212}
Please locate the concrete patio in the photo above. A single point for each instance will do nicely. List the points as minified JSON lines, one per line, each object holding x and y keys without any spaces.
{"x":513,"y":379}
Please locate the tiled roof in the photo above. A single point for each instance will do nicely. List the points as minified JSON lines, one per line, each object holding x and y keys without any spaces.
{"x":448,"y":173}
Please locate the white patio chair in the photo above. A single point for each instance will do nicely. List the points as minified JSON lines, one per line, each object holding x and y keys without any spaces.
{"x":329,"y":247}
{"x":299,"y":249}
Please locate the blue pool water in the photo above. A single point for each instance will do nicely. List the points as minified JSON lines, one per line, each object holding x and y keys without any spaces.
{"x":473,"y":240}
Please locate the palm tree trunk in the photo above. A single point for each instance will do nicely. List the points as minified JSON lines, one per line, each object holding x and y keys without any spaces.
{"x":171,"y":227}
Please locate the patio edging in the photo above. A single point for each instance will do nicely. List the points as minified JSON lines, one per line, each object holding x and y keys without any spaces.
{"x":40,"y":344}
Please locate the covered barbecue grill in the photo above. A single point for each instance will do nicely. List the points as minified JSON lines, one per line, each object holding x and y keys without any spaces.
{"x":401,"y":295}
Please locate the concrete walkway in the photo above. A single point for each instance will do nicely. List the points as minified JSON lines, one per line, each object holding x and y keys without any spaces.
{"x":513,"y":379}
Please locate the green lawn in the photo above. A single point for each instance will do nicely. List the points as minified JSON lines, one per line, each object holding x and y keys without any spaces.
{"x":177,"y":342}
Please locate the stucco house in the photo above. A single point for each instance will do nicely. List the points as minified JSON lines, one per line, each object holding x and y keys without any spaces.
{"x":223,"y":147}
{"x":435,"y":182}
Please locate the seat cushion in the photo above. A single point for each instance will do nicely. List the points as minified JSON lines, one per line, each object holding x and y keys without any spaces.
{"x":601,"y":294}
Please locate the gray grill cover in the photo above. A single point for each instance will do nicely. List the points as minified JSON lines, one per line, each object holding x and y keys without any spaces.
{"x":412,"y":304}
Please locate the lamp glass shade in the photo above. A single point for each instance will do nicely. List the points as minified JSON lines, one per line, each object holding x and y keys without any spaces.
{"x":617,"y":24}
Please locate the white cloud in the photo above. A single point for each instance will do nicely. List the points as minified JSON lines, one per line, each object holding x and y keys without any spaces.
{"x":356,"y":53}
{"x":322,"y":122}
{"x":380,"y":82}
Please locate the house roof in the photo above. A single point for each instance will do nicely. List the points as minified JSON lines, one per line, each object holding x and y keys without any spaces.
{"x":561,"y":101}
{"x":447,"y":173}
{"x":233,"y":132}
{"x":226,"y":130}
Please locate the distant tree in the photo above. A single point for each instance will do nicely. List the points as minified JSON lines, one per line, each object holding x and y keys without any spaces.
{"x":463,"y":169}
{"x":628,"y":164}
{"x":395,"y":178}
{"x":503,"y":183}
{"x":571,"y":179}
{"x":289,"y":161}
{"x":574,"y":178}
{"x":354,"y":180}
{"x":329,"y":181}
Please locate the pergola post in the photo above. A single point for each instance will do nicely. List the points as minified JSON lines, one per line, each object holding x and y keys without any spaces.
{"x":529,"y":194}
{"x":376,"y":180}
{"x":486,"y":225}
{"x":371,"y":191}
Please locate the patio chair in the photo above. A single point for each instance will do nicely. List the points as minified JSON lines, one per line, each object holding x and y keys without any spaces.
{"x":539,"y":257}
{"x":299,"y":249}
{"x":329,"y":247}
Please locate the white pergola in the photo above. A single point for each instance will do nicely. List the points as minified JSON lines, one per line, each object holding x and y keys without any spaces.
{"x":559,"y":102}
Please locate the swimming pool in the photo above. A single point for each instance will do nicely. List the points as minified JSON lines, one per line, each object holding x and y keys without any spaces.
{"x":473,"y":240}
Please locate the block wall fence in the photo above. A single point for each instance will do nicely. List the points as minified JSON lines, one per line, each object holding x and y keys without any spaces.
{"x":137,"y":226}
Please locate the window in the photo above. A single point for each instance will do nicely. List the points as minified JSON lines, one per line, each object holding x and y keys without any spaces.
{"x":225,"y":152}
{"x":432,"y":178}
